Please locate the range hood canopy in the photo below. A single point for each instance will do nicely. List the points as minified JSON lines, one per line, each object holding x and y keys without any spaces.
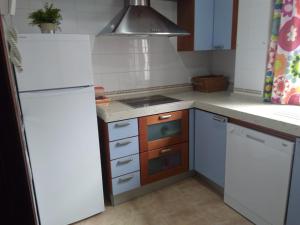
{"x":139,"y":19}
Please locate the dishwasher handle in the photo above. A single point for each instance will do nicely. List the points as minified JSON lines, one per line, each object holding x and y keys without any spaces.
{"x":254,"y":138}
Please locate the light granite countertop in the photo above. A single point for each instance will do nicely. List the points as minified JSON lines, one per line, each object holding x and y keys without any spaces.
{"x":246,"y":108}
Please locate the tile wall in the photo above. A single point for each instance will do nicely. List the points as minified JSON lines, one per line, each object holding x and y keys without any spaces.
{"x":123,"y":63}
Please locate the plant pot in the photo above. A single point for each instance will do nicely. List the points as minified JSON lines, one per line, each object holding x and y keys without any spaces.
{"x":48,"y":28}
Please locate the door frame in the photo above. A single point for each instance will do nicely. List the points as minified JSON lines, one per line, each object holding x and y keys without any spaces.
{"x":16,"y":195}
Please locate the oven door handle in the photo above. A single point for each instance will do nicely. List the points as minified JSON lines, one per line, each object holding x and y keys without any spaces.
{"x":164,"y":151}
{"x":164,"y":117}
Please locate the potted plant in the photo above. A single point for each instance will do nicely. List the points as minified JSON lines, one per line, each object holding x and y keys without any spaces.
{"x":48,"y":19}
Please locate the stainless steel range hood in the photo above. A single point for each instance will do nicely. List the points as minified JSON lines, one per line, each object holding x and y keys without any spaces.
{"x":138,"y":18}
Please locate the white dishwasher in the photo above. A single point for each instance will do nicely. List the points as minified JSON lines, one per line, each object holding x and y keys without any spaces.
{"x":258,"y":168}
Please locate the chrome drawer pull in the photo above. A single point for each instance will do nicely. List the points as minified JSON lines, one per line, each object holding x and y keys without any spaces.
{"x":119,"y":125}
{"x":120,"y":144}
{"x":165,"y":117}
{"x":164,"y":151}
{"x":119,"y":163}
{"x":123,"y":180}
{"x":255,"y":139}
{"x":219,"y":47}
{"x":219,"y":119}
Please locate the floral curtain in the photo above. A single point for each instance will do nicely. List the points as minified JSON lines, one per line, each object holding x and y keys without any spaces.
{"x":282,"y":80}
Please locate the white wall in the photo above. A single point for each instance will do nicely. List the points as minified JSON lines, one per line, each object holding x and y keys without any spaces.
{"x":223,"y":62}
{"x":252,"y":44}
{"x":4,"y":7}
{"x":122,"y":63}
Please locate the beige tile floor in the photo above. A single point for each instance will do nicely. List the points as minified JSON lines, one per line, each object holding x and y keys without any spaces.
{"x":189,"y":202}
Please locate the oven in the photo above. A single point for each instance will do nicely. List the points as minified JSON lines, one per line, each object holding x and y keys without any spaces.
{"x":162,"y":163}
{"x":159,"y":131}
{"x":163,"y":145}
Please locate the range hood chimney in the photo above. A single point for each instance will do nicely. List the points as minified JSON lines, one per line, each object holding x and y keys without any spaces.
{"x":137,"y":18}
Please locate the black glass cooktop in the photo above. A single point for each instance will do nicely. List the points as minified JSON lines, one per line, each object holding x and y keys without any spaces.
{"x":148,"y":101}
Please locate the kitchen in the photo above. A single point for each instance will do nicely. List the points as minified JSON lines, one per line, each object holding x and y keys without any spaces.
{"x":153,"y":150}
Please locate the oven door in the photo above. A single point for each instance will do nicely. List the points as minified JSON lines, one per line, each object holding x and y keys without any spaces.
{"x":163,"y":163}
{"x":159,"y":131}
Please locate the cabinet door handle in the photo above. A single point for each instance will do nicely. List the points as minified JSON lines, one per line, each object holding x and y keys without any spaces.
{"x":123,"y":180}
{"x":219,"y":119}
{"x":164,"y":151}
{"x":119,"y":163}
{"x":119,"y":125}
{"x":219,"y":47}
{"x":255,"y":138}
{"x":120,"y":144}
{"x":165,"y":117}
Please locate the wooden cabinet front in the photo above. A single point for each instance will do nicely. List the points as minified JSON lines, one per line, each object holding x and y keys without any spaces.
{"x":162,"y":130}
{"x":162,"y":163}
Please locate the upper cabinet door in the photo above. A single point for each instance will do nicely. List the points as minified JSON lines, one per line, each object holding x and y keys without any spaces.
{"x":212,"y":24}
{"x":222,"y":26}
{"x":204,"y":24}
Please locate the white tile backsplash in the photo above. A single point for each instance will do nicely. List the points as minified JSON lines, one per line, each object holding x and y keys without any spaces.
{"x":223,"y":62}
{"x":123,"y":63}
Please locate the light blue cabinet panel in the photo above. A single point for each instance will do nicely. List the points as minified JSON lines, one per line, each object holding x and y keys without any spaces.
{"x":124,"y":147}
{"x":210,"y":146}
{"x":126,"y":183}
{"x":213,"y":24}
{"x":204,"y":24}
{"x":125,"y":165}
{"x":122,"y":129}
{"x":222,"y":33}
{"x":293,"y":215}
{"x":191,"y":138}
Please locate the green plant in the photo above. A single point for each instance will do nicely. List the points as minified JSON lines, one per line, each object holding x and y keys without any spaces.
{"x":49,"y":14}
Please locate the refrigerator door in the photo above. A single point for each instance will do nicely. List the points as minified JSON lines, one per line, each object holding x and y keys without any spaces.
{"x":62,"y":136}
{"x":54,"y":61}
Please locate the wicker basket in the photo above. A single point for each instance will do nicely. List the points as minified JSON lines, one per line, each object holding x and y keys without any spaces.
{"x":211,"y":83}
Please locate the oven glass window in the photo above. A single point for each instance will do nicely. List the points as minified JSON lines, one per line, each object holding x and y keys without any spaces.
{"x":164,"y":162}
{"x":163,"y":130}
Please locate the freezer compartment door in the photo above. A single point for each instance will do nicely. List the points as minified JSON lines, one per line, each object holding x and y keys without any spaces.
{"x":54,"y":61}
{"x":62,"y":137}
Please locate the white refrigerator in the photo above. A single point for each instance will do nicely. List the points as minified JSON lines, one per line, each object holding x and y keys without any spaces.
{"x":59,"y":112}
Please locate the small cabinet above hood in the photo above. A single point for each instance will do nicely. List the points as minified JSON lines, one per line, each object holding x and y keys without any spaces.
{"x":137,"y":18}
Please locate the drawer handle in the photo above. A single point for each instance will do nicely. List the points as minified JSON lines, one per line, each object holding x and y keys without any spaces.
{"x":219,"y":119}
{"x":255,"y":138}
{"x":164,"y":151}
{"x":120,"y":144}
{"x":219,"y":47}
{"x":123,"y":162}
{"x":165,"y":117}
{"x":123,"y":180}
{"x":119,"y":125}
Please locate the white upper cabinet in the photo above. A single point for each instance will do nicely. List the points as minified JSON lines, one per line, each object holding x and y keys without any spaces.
{"x":254,"y":24}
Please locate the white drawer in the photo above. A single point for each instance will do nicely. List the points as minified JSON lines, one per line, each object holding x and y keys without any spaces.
{"x":126,"y":183}
{"x":124,"y":147}
{"x":122,"y":129}
{"x":125,"y":165}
